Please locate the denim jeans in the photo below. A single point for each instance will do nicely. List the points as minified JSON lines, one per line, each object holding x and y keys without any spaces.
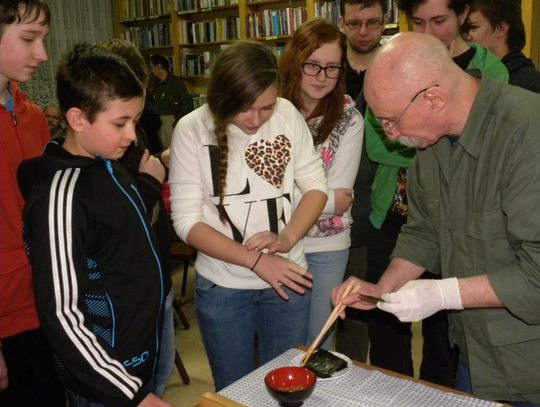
{"x":236,"y":323}
{"x":167,"y":349}
{"x":328,"y":269}
{"x":463,"y":383}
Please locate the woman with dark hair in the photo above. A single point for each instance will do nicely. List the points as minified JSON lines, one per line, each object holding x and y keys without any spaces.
{"x":497,"y":25}
{"x":234,"y":165}
{"x":312,"y":79}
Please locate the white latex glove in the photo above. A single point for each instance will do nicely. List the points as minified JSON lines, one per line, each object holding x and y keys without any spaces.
{"x":418,"y":299}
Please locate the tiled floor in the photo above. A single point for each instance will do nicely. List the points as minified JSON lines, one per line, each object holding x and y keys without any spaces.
{"x":191,"y":349}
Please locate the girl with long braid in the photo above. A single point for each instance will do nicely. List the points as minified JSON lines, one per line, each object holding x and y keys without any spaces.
{"x":234,"y":165}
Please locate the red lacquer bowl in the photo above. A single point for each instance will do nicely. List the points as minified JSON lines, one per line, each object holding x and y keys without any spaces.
{"x":290,"y":385}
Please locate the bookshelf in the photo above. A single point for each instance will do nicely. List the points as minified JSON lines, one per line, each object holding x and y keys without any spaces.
{"x":192,"y":32}
{"x":531,"y":19}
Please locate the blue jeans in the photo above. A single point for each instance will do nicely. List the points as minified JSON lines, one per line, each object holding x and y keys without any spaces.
{"x":328,"y":269}
{"x":235,"y":323}
{"x":463,"y":383}
{"x":167,"y":349}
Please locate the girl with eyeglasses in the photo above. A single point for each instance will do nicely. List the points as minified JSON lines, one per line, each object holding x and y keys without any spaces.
{"x":311,"y":78}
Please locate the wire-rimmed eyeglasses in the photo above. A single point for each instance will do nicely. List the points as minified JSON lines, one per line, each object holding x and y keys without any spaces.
{"x":373,"y":24}
{"x":331,"y":71}
{"x":390,"y":125}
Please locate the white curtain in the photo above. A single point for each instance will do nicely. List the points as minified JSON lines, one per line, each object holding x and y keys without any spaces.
{"x":72,"y":21}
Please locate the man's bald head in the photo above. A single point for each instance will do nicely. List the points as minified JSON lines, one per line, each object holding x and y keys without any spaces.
{"x":406,"y":63}
{"x":417,"y":91}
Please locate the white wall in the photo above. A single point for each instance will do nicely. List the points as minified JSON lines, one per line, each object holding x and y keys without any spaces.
{"x":72,"y":21}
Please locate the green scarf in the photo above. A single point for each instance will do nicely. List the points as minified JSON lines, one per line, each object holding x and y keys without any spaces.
{"x":391,"y":156}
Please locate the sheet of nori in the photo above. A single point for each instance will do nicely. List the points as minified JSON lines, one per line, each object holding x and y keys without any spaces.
{"x":324,"y":363}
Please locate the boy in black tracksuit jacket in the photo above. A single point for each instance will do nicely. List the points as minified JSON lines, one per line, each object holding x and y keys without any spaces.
{"x":98,"y":281}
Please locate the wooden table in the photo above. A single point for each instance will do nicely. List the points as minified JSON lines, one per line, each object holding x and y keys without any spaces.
{"x":211,"y":399}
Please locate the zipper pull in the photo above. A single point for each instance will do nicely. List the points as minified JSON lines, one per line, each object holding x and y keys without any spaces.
{"x":14,"y":118}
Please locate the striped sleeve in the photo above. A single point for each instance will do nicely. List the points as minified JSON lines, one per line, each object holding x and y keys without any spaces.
{"x":59,"y":269}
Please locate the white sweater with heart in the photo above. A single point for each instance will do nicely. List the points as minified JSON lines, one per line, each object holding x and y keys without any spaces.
{"x":262,"y":172}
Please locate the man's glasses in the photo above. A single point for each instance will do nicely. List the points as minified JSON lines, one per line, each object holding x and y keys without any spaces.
{"x":373,"y":24}
{"x":331,"y":71}
{"x":390,"y":125}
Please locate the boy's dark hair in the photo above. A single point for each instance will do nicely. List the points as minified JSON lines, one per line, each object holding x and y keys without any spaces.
{"x":499,"y":12}
{"x":158,"y":59}
{"x":88,"y":77}
{"x":130,"y":53}
{"x":16,"y":11}
{"x":410,"y":6}
{"x":364,"y":4}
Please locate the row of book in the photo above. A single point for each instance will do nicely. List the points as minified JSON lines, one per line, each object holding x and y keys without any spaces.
{"x":195,"y":5}
{"x":393,"y":12}
{"x":157,"y":35}
{"x":270,"y":23}
{"x":197,"y":63}
{"x":141,"y":9}
{"x":199,"y":99}
{"x":328,"y":10}
{"x":216,"y":30}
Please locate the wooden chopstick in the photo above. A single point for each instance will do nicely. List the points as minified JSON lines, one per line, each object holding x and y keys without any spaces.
{"x":338,"y":309}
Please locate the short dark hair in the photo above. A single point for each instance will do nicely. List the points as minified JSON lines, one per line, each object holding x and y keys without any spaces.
{"x":88,"y":77}
{"x":499,"y":12}
{"x":364,"y":4}
{"x":17,"y":11}
{"x":130,"y":53}
{"x":158,"y":59}
{"x":410,"y":6}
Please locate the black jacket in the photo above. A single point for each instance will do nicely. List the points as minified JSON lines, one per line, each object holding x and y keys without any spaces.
{"x":171,"y":97}
{"x":522,"y":71}
{"x":98,"y":282}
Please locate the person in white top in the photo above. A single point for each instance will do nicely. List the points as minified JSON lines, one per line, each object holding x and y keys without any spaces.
{"x":234,"y":165}
{"x":312,"y":79}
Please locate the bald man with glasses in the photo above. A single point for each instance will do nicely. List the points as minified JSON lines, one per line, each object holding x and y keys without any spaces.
{"x":474,"y":200}
{"x":391,"y":340}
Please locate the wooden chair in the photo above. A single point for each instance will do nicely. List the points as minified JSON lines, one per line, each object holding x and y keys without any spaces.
{"x":181,"y":368}
{"x":185,"y":254}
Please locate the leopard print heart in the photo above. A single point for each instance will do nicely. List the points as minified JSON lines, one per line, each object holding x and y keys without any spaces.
{"x":269,"y":159}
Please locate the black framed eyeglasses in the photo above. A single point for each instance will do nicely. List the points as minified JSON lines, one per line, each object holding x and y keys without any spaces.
{"x":373,"y":24}
{"x":331,"y":71}
{"x":390,"y":125}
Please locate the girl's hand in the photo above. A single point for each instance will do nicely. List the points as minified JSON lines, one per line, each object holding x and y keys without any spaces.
{"x":272,"y":242}
{"x":279,"y":271}
{"x":343,"y":199}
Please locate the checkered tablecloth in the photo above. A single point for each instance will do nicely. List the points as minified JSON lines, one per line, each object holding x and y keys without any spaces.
{"x":358,"y":388}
